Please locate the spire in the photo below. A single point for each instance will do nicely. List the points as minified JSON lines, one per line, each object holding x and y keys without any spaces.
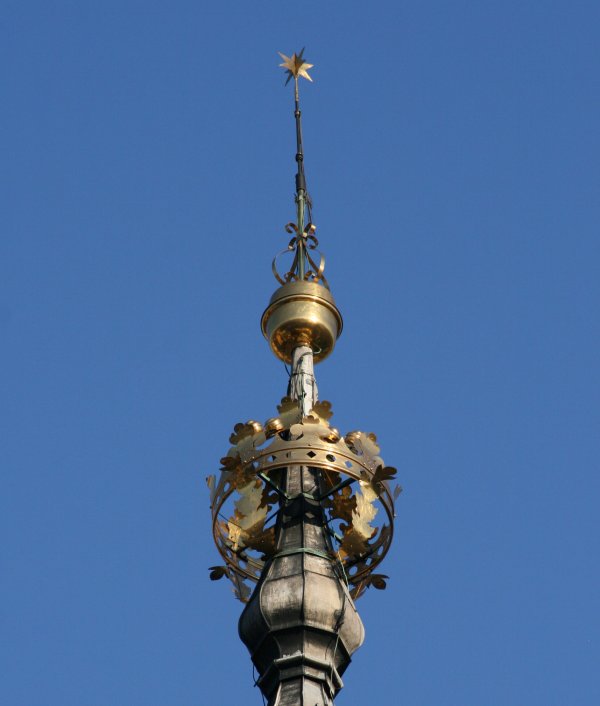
{"x":302,"y":312}
{"x":303,"y":265}
{"x":299,"y":510}
{"x":295,"y":66}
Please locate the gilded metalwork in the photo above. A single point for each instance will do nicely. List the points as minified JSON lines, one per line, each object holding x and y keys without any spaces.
{"x":295,"y":66}
{"x":302,"y":243}
{"x":298,"y":508}
{"x":302,"y":313}
{"x":355,"y":486}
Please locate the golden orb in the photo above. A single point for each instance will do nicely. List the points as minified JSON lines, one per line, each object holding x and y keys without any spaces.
{"x":302,"y":313}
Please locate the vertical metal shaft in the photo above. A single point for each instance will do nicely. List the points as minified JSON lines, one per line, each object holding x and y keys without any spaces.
{"x":300,"y":182}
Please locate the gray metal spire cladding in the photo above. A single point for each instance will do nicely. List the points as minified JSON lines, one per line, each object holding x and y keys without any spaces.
{"x":300,"y":511}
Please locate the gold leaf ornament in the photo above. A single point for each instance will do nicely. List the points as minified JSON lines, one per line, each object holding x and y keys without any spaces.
{"x":364,"y":445}
{"x":217,"y":572}
{"x":289,"y":412}
{"x":343,"y":504}
{"x":211,"y":482}
{"x":323,"y":410}
{"x":263,"y":540}
{"x":365,"y":511}
{"x":249,"y":507}
{"x":240,"y":589}
{"x":230,"y":463}
{"x":248,"y":514}
{"x":353,"y":543}
{"x":382,"y":475}
{"x":378,"y":581}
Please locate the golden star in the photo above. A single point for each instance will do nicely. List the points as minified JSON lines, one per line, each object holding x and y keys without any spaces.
{"x":295,"y":66}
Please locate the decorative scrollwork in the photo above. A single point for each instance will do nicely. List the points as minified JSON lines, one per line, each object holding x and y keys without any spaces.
{"x":301,"y":245}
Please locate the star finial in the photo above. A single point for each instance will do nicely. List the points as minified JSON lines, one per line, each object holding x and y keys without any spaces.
{"x":295,"y":66}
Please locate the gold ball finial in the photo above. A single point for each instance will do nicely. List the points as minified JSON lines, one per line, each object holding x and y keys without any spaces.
{"x":302,"y":313}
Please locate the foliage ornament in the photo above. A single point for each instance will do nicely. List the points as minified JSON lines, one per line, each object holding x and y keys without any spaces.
{"x":354,"y":489}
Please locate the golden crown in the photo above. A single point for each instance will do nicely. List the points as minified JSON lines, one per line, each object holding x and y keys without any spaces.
{"x":354,"y":484}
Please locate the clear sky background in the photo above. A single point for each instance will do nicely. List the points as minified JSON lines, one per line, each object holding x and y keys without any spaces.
{"x":453,"y":156}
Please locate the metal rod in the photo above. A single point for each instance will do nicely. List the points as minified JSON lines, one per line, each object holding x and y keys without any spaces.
{"x":300,"y":183}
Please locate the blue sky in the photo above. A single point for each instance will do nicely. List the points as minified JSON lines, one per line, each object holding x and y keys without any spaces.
{"x":452,"y":153}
